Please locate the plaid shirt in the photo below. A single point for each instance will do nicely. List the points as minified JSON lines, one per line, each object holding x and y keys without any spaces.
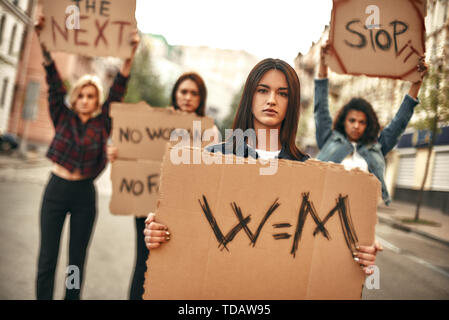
{"x":77,"y":145}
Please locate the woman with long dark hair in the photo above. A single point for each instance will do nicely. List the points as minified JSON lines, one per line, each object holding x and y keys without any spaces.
{"x":270,"y":105}
{"x":270,"y":101}
{"x":189,"y":94}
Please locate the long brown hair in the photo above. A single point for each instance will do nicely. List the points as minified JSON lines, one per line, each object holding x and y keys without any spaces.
{"x":244,"y":118}
{"x":195,"y":77}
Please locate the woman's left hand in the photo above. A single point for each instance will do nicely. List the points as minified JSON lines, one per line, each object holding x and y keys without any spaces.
{"x":422,"y":69}
{"x":366,"y":256}
{"x":134,"y":41}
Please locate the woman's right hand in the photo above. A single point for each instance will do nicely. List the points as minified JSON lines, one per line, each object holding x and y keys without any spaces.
{"x":39,"y":25}
{"x":155,"y":233}
{"x":111,"y":153}
{"x":324,"y":50}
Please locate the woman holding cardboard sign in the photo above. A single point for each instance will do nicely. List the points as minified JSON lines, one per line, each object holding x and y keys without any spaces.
{"x":188,"y":95}
{"x":270,"y":104}
{"x":78,"y":151}
{"x":355,"y":139}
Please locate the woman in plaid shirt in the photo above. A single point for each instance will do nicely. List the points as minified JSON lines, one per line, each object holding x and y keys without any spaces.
{"x":78,"y":151}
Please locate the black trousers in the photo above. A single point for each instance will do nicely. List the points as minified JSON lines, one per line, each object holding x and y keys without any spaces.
{"x":61,"y":197}
{"x":140,"y":268}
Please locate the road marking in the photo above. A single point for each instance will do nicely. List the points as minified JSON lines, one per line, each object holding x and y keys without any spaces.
{"x":397,"y":250}
{"x":388,"y":245}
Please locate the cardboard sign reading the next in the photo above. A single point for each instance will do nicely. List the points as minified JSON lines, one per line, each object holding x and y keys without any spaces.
{"x":141,"y":134}
{"x":89,"y":27}
{"x":377,"y":38}
{"x":236,"y":234}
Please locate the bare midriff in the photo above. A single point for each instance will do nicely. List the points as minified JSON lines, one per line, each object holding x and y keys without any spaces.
{"x":62,"y":172}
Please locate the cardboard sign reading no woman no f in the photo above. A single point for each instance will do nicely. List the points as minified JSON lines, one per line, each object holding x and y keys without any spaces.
{"x":236,"y":234}
{"x":141,"y":134}
{"x":89,"y":27}
{"x":378,"y":38}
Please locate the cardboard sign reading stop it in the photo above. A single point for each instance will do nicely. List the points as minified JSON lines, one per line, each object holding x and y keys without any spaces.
{"x":92,"y":28}
{"x":377,"y":38}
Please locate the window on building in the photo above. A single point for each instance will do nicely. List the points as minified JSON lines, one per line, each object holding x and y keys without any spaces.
{"x":445,"y":10}
{"x":4,"y":88}
{"x":2,"y":27}
{"x":440,"y":174}
{"x":22,"y":44}
{"x":29,"y":7}
{"x":13,"y":36}
{"x":406,"y":171}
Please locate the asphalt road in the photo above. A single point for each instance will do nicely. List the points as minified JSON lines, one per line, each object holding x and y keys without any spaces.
{"x":410,"y":267}
{"x":110,"y":260}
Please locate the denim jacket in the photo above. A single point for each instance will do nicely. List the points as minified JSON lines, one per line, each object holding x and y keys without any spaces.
{"x":246,"y":151}
{"x":335,"y":147}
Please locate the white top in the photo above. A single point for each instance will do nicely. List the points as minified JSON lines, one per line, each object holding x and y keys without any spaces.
{"x":267,"y":155}
{"x":355,"y":160}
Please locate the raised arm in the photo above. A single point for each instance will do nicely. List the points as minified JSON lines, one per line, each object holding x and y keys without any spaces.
{"x":56,"y":88}
{"x":422,"y":69}
{"x":127,"y":64}
{"x":389,"y":137}
{"x":323,"y":119}
{"x":118,"y":88}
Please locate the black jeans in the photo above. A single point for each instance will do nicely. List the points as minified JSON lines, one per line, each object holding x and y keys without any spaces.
{"x":61,"y":197}
{"x":140,"y":268}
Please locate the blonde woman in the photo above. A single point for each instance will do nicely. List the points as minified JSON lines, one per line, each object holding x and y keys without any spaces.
{"x":78,"y":151}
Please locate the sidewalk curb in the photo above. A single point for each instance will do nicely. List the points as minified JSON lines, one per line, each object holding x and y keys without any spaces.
{"x":396,"y":225}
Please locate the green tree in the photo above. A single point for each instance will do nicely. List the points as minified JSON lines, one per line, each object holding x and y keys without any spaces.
{"x":227,"y":122}
{"x":144,"y":84}
{"x":432,"y":112}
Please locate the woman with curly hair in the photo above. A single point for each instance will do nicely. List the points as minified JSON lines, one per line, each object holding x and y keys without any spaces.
{"x":354,"y":139}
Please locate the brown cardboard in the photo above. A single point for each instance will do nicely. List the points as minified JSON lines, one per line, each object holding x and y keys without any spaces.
{"x":192,"y":265}
{"x":389,"y":50}
{"x":141,"y":134}
{"x":104,"y":27}
{"x":135,"y":186}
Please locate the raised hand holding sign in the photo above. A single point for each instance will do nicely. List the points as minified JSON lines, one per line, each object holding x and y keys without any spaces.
{"x":377,"y":38}
{"x":92,"y":28}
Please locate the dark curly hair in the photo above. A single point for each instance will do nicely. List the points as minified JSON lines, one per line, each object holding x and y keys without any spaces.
{"x":372,"y":126}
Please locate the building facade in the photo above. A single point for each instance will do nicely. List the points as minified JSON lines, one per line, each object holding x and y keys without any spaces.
{"x":15,"y":17}
{"x":27,"y":116}
{"x":224,"y":71}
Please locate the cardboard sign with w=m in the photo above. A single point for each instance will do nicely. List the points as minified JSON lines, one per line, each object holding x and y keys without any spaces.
{"x":236,"y":234}
{"x":141,"y":134}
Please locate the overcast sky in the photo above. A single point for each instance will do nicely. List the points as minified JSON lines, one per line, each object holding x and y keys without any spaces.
{"x":265,"y":28}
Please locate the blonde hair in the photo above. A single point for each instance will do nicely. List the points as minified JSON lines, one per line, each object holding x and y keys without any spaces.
{"x":87,"y":80}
